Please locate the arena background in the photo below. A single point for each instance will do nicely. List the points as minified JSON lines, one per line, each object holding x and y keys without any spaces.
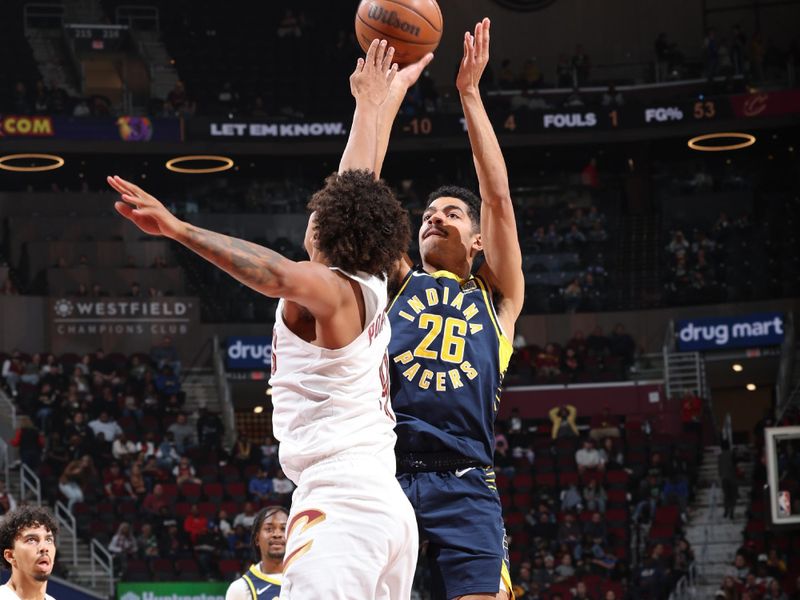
{"x":662,"y":281}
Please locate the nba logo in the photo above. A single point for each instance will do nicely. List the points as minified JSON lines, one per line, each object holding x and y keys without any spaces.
{"x":784,"y":504}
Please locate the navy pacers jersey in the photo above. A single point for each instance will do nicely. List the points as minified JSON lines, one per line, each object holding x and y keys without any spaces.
{"x":448,"y":357}
{"x":262,"y":587}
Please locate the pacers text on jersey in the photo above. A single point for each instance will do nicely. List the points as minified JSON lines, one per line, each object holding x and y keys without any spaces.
{"x":450,"y":331}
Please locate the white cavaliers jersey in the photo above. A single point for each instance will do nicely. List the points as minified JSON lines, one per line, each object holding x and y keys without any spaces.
{"x":6,"y":593}
{"x":330,"y":402}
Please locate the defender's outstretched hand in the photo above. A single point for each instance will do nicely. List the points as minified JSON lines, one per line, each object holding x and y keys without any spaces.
{"x":145,"y":211}
{"x":476,"y":57}
{"x":373,"y":76}
{"x":408,"y":75}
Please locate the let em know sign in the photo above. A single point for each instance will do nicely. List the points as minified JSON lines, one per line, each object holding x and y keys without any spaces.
{"x":718,"y":333}
{"x":179,"y":590}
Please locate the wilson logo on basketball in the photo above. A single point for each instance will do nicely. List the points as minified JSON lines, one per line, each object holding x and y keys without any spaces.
{"x":390,"y":18}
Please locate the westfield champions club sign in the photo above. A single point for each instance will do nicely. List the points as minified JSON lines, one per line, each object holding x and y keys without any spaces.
{"x":123,"y":324}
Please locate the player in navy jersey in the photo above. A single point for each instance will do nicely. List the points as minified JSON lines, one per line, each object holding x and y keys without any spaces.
{"x":262,"y":581}
{"x":450,"y":347}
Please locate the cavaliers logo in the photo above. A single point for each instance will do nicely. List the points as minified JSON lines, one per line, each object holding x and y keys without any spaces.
{"x":302,"y":522}
{"x":755,"y":105}
{"x":525,"y":5}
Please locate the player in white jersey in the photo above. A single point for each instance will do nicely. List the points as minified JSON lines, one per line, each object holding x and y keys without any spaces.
{"x":332,"y":415}
{"x":28,"y":543}
{"x":351,"y":532}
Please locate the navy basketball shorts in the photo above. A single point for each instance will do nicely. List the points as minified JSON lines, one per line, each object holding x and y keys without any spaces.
{"x":459,"y":514}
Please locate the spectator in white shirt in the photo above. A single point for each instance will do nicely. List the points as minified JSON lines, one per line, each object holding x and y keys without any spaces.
{"x":123,"y":449}
{"x":106,"y":425}
{"x":589,"y":457}
{"x":147,"y":446}
{"x":282,"y":487}
{"x":223,"y":522}
{"x":246,"y":518}
{"x":123,"y":545}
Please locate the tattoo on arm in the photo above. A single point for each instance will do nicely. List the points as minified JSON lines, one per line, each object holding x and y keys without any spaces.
{"x":255,"y":266}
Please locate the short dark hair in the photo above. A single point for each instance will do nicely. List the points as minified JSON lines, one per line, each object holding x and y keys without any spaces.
{"x":466,"y":196}
{"x":261,"y":516}
{"x":14,"y":521}
{"x":360,"y":225}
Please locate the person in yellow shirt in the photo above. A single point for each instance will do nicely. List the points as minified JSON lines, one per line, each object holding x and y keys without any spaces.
{"x":563,"y":418}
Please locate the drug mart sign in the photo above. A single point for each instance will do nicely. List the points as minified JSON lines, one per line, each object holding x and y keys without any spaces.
{"x":252,"y":353}
{"x":183,"y":590}
{"x":717,"y":333}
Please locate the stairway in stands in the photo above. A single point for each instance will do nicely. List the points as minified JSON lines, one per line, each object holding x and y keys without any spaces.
{"x":200,"y":386}
{"x":714,"y":538}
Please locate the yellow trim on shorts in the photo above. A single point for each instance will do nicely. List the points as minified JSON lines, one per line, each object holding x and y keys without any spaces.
{"x":505,"y":577}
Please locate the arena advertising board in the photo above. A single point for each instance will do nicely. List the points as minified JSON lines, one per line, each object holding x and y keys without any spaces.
{"x":720,"y":333}
{"x":121,"y":129}
{"x":248,"y":353}
{"x":515,"y":120}
{"x":123,"y":324}
{"x":179,"y":590}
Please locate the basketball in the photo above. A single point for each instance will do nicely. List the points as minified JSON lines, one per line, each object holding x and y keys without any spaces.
{"x":413,"y":27}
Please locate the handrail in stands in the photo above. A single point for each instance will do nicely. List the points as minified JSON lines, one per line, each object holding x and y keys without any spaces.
{"x":67,"y":524}
{"x":29,"y":481}
{"x":224,"y":391}
{"x":186,"y":371}
{"x":131,"y":15}
{"x":5,"y":461}
{"x":713,"y":519}
{"x":727,"y":429}
{"x":684,"y":589}
{"x":32,"y":11}
{"x":9,"y":428}
{"x":101,"y":563}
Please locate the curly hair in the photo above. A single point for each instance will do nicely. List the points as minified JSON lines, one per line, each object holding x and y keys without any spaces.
{"x":360,"y":225}
{"x":261,"y":516}
{"x":14,"y":521}
{"x":467,"y":197}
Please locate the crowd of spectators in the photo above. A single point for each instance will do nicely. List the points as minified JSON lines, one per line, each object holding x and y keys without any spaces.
{"x":755,"y":57}
{"x":573,"y":491}
{"x":566,"y":249}
{"x":218,"y":90}
{"x":43,"y":99}
{"x":583,"y":358}
{"x":696,"y":268}
{"x":108,"y":436}
{"x":576,"y":247}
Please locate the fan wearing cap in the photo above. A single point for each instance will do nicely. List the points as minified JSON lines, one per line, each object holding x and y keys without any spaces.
{"x":28,"y":542}
{"x":262,"y":581}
